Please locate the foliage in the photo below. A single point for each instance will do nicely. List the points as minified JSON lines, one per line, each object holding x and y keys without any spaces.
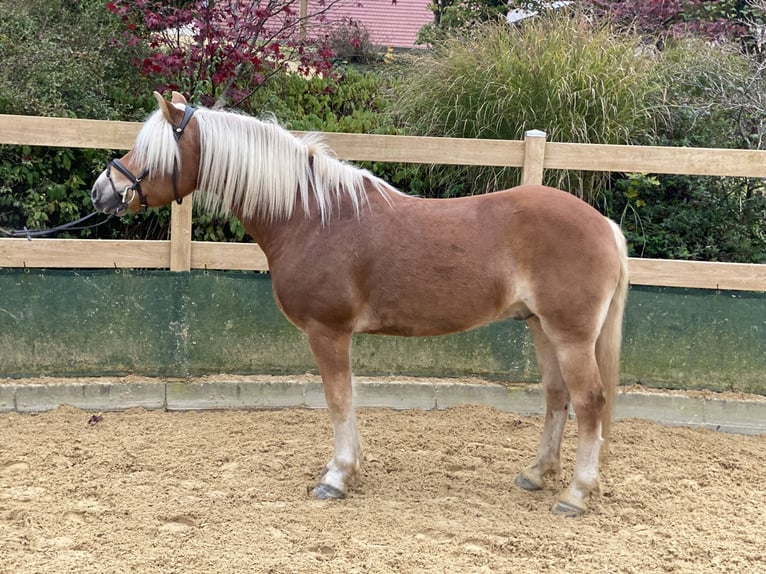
{"x":57,"y":61}
{"x":559,"y":74}
{"x":660,"y":19}
{"x":700,"y":218}
{"x":715,"y":98}
{"x":349,"y":102}
{"x":451,"y":15}
{"x":30,"y":194}
{"x":42,"y":187}
{"x":219,"y":51}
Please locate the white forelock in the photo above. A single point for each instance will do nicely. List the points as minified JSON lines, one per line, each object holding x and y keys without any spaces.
{"x":155,"y":147}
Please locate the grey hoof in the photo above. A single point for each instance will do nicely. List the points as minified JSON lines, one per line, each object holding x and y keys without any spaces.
{"x":327,"y":492}
{"x":566,"y":509}
{"x":523,"y":482}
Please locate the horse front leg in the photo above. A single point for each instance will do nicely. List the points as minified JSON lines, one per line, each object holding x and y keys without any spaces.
{"x":332,"y":351}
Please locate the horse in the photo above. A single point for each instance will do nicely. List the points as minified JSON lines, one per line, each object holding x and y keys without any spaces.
{"x":348,"y":253}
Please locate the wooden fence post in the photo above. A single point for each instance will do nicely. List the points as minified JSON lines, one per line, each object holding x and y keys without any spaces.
{"x":180,"y":235}
{"x":534,"y":155}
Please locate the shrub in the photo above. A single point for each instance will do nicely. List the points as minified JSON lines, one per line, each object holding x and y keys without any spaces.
{"x":715,"y":97}
{"x":350,"y":41}
{"x":42,"y":187}
{"x":561,"y":74}
{"x":698,"y":218}
{"x":58,"y":61}
{"x":349,"y":102}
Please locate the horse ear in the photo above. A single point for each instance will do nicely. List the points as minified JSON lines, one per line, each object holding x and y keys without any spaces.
{"x":172,"y":114}
{"x":178,"y":98}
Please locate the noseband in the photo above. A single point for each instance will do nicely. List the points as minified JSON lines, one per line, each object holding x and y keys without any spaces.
{"x":134,"y":189}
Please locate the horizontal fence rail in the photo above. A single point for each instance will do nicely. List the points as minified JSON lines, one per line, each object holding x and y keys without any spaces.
{"x":533,"y":156}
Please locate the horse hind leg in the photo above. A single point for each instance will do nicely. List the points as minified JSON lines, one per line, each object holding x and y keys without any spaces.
{"x":548,"y":461}
{"x":580,"y":371}
{"x":332,"y":352}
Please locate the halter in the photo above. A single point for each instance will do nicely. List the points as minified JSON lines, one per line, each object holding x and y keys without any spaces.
{"x":135,"y":182}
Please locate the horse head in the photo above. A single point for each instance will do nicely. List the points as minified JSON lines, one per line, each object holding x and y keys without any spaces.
{"x":161,"y":166}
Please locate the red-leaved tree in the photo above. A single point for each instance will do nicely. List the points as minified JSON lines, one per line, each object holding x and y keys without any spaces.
{"x":221,"y":51}
{"x":712,"y":19}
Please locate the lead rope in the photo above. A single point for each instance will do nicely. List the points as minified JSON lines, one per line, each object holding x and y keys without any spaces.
{"x":71,"y":226}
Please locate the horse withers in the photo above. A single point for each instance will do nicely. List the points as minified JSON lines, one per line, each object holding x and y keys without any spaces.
{"x":350,"y":254}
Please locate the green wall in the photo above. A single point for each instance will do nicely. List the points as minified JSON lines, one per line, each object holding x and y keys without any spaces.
{"x":116,"y":322}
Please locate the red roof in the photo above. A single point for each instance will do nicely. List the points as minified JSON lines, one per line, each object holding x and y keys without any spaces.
{"x":393,"y":23}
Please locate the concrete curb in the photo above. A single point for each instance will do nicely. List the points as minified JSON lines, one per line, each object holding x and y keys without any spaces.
{"x":719,"y":414}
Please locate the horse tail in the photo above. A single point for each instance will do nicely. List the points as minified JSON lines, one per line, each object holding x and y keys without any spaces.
{"x":609,"y":340}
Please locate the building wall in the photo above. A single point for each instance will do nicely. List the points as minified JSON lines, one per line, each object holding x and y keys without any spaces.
{"x":391,"y":23}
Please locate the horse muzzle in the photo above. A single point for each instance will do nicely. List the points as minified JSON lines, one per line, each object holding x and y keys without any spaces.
{"x":106,"y":199}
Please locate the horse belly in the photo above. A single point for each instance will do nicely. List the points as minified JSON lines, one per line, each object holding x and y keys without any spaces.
{"x":421,"y":313}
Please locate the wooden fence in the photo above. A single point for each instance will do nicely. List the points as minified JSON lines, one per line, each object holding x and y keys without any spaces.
{"x":533,"y":155}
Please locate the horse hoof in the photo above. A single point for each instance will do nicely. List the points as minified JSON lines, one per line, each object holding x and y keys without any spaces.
{"x":562,"y":508}
{"x":327,"y":492}
{"x":523,"y":482}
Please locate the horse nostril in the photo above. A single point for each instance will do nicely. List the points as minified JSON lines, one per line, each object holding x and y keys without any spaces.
{"x":94,"y":194}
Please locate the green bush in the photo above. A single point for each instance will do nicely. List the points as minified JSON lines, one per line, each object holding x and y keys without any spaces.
{"x":59,"y":60}
{"x":576,"y":81}
{"x":42,"y":187}
{"x":698,"y":218}
{"x":350,"y":101}
{"x":715,"y":97}
{"x":39,"y":189}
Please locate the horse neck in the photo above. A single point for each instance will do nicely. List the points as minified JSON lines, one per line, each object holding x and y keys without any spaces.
{"x":279,"y":234}
{"x":272,"y":235}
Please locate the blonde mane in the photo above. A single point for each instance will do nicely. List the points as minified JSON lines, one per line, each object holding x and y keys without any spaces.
{"x":250,"y":166}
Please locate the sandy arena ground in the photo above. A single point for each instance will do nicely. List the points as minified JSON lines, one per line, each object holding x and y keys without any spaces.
{"x":226,"y":492}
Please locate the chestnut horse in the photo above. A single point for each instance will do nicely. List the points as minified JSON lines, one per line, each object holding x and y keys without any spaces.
{"x":350,"y":254}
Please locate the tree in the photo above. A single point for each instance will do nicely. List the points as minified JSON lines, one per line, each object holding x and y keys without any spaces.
{"x":459,"y":14}
{"x":717,"y":20}
{"x":221,"y":51}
